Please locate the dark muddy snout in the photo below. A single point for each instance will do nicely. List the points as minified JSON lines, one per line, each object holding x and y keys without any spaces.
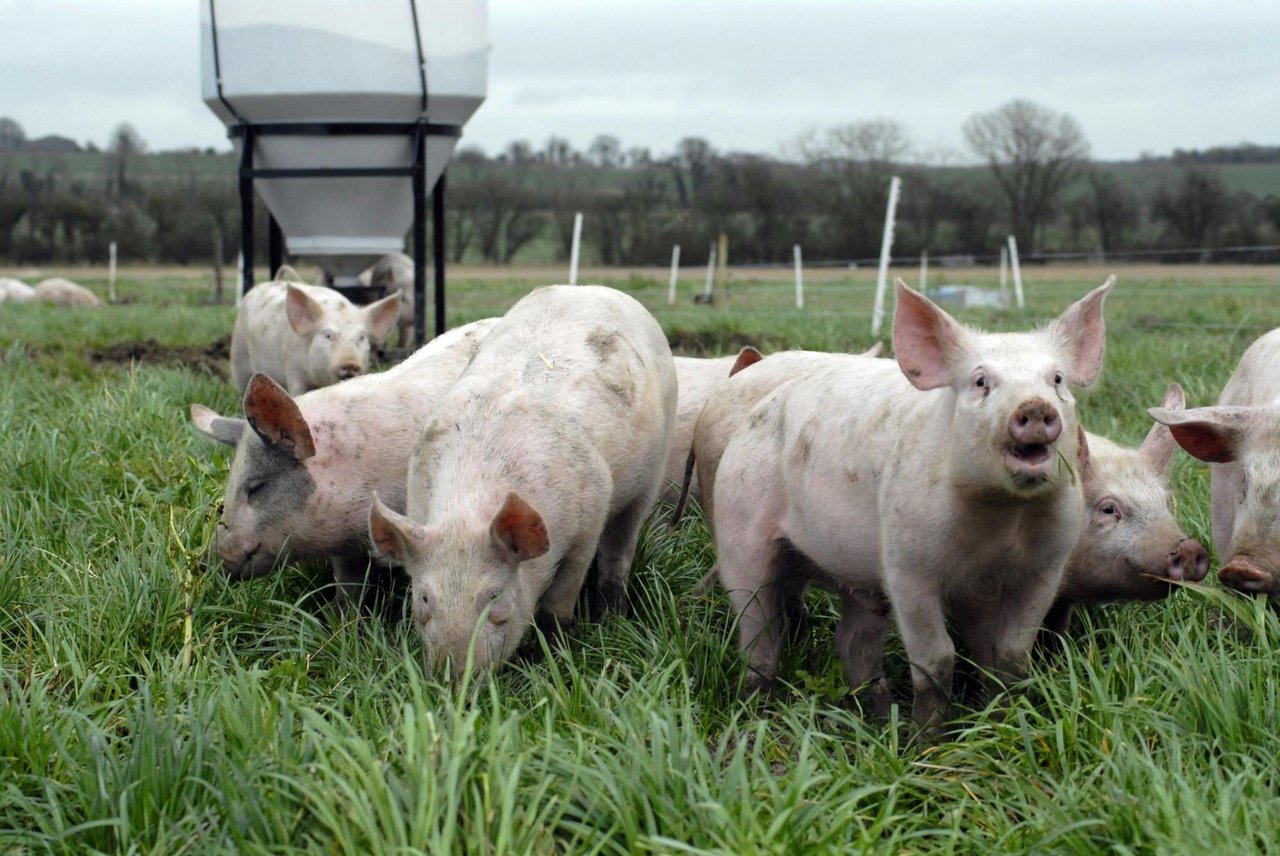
{"x":1247,"y":575}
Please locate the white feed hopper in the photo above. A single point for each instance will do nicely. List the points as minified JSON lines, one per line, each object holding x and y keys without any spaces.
{"x":340,"y":84}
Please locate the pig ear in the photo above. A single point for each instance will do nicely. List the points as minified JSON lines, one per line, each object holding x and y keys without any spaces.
{"x":518,"y":530}
{"x":393,"y":535}
{"x":275,"y":416}
{"x":748,"y":356}
{"x":303,"y":311}
{"x":1082,"y":451}
{"x":1083,"y":333}
{"x":1158,"y":447}
{"x":381,"y":317}
{"x":217,"y":427}
{"x":1213,"y":434}
{"x":926,"y":340}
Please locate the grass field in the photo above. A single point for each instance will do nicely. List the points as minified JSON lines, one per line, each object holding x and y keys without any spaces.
{"x":149,"y":706}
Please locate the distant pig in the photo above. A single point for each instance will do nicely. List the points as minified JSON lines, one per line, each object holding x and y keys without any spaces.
{"x":947,"y":482}
{"x":1131,"y":546}
{"x":547,"y":453}
{"x":394,"y":273}
{"x":15,"y":291}
{"x":697,"y":377}
{"x":302,"y":478}
{"x":1241,"y":438}
{"x":306,"y":336}
{"x":65,"y":293}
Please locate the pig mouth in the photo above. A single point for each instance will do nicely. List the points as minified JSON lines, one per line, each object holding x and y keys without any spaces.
{"x":1030,"y":461}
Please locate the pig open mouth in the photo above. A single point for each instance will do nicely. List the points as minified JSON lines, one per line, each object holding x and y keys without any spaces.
{"x":1030,"y":461}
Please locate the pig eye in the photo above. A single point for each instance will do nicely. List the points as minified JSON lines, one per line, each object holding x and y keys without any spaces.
{"x":980,"y":381}
{"x":1057,"y":378}
{"x":253,"y":489}
{"x":1110,"y":508}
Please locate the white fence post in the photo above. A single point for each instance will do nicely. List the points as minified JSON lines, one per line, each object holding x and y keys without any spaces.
{"x":799,"y":277}
{"x":239,"y":278}
{"x":711,"y":272}
{"x":924,"y":271}
{"x":577,"y":244}
{"x":1004,"y":271}
{"x":1017,"y":272}
{"x":675,"y":273}
{"x":111,"y":281}
{"x":886,"y":244}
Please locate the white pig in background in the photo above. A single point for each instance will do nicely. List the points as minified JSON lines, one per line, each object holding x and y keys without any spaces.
{"x":306,"y":336}
{"x":391,"y":273}
{"x":64,"y":292}
{"x":547,"y":453}
{"x":947,"y":481}
{"x":302,"y":478}
{"x":15,"y":291}
{"x":1241,"y":438}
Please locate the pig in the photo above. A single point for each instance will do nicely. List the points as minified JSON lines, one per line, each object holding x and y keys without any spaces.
{"x":302,"y":479}
{"x":697,"y":377}
{"x":946,"y":482}
{"x":1240,"y":437}
{"x":546,"y":454}
{"x":15,"y":291}
{"x":391,"y":273}
{"x":305,"y":336}
{"x":65,"y":293}
{"x":1130,"y":548}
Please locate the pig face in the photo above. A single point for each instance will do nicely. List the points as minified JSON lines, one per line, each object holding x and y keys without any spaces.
{"x":475,"y":586}
{"x":1013,"y":428}
{"x":1131,"y":546}
{"x":270,"y":483}
{"x":338,"y":333}
{"x":1246,"y":440}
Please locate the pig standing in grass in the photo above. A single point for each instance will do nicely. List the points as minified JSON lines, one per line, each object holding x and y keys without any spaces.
{"x":947,"y":482}
{"x":1241,"y":438}
{"x":394,"y":273}
{"x":15,"y":291}
{"x":303,"y":477}
{"x":65,"y":293}
{"x":305,"y":336}
{"x":546,"y":453}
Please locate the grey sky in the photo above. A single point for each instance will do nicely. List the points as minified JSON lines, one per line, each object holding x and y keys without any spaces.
{"x":747,"y":75}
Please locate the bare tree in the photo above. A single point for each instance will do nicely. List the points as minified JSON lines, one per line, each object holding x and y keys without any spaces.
{"x":126,"y":144}
{"x":605,"y":151}
{"x":11,"y":134}
{"x":1195,"y":209}
{"x":1110,"y":207}
{"x":1034,"y":153}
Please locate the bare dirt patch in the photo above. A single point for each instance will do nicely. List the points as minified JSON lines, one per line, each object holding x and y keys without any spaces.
{"x":211,"y":358}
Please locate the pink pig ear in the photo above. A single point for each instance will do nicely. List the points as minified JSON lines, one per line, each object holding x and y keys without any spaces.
{"x":926,"y":340}
{"x":303,"y":312}
{"x":1158,"y":447}
{"x":381,"y":317}
{"x":1081,"y":330}
{"x":518,"y":530}
{"x":393,"y":535}
{"x":275,"y":416}
{"x":748,"y":356}
{"x":1212,"y":434}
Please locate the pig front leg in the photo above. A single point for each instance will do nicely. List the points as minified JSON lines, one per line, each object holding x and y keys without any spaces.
{"x":351,"y":578}
{"x":561,"y":596}
{"x":917,"y":604}
{"x":613,"y":559}
{"x":1000,"y":633}
{"x":864,"y":619}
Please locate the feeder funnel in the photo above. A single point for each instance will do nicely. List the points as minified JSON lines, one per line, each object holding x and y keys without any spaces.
{"x":320,"y":85}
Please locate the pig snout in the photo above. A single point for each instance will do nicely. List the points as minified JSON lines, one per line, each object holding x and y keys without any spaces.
{"x":1247,"y":575}
{"x":346,"y":371}
{"x":1190,"y":562}
{"x":1035,"y":422}
{"x":244,"y":562}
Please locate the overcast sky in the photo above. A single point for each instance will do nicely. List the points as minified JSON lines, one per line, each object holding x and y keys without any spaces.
{"x":1139,"y":76}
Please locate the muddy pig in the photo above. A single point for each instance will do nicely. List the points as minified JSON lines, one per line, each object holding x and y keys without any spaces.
{"x":306,"y":336}
{"x":1241,"y":438}
{"x":302,"y":478}
{"x":547,"y":453}
{"x":946,"y":481}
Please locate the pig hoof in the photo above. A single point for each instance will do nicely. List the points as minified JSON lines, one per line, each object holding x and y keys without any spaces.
{"x":876,"y":699}
{"x":758,"y":684}
{"x":611,"y":597}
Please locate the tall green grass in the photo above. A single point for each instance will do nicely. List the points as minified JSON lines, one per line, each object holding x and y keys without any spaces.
{"x":270,"y":723}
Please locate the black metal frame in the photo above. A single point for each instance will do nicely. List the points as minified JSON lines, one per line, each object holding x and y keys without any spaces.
{"x":418,"y":131}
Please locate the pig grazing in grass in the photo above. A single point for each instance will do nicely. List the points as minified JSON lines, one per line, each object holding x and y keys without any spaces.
{"x":303,"y":476}
{"x":64,"y":292}
{"x":305,"y":336}
{"x":1241,"y":438}
{"x":698,"y":377}
{"x":947,"y":482}
{"x":1131,"y":546}
{"x":547,"y":453}
{"x":15,"y":291}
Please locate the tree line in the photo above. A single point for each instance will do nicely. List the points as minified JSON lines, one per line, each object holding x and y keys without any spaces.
{"x":1027,"y":171}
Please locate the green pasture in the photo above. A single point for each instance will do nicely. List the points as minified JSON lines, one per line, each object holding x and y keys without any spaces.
{"x":149,"y":706}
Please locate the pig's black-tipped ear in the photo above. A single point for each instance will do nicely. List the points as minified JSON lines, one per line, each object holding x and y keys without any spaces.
{"x":1212,"y":434}
{"x":275,"y":416}
{"x":216,"y":427}
{"x":393,"y":535}
{"x":303,"y":312}
{"x":518,"y":530}
{"x":748,"y":356}
{"x":926,"y":340}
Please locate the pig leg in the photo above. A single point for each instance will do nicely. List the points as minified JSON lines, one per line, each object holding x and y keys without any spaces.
{"x":1001,"y":633}
{"x":864,"y":619}
{"x":561,"y":596}
{"x":613,"y":561}
{"x":918,"y":608}
{"x":750,"y":576}
{"x":350,"y":577}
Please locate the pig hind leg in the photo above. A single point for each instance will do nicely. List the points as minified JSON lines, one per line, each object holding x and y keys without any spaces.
{"x":864,"y":621}
{"x":613,"y":559}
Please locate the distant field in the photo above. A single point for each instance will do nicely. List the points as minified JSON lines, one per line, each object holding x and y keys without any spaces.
{"x":148,"y":705}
